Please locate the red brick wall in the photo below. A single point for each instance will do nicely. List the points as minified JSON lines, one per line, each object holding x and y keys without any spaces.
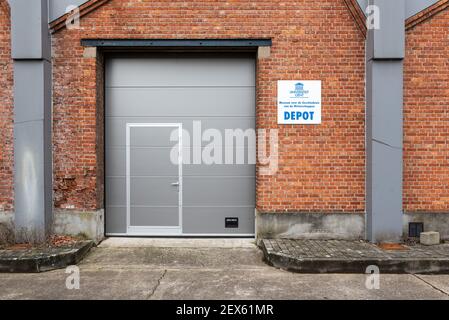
{"x":322,"y":168}
{"x":426,"y":178}
{"x":6,"y":112}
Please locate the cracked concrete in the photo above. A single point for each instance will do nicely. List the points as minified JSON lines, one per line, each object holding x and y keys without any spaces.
{"x":155,"y":272}
{"x":429,"y":282}
{"x":157,"y":285}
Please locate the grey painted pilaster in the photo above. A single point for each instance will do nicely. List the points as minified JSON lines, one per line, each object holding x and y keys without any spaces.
{"x":32,"y":118}
{"x":384,"y":95}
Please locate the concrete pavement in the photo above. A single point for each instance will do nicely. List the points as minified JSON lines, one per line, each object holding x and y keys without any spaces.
{"x":206,"y":269}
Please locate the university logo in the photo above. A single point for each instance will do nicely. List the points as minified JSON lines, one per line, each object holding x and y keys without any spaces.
{"x":299,"y":91}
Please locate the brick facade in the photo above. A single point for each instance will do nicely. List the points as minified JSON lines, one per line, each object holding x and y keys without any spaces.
{"x":322,"y":168}
{"x":426,"y":158}
{"x":6,"y":111}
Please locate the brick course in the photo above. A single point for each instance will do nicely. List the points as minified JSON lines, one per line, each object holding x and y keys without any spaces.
{"x":6,"y":111}
{"x":322,"y":168}
{"x":426,"y":112}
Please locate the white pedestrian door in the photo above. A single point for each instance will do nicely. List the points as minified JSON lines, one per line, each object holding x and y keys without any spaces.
{"x":154,"y":179}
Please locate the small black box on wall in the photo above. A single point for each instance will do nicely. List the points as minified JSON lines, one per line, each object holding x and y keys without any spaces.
{"x":232,"y":223}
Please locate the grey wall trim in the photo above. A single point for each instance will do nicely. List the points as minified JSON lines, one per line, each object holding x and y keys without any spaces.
{"x":384,"y":123}
{"x":30,"y":36}
{"x":176,"y":43}
{"x":32,"y":118}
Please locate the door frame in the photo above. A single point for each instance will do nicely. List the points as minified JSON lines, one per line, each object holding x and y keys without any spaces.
{"x":152,"y":230}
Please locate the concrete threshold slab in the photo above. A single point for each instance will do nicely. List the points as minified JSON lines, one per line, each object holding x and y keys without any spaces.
{"x":340,"y":256}
{"x":230,"y":243}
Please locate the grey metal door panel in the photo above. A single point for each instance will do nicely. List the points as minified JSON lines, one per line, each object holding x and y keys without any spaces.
{"x":180,"y":102}
{"x":144,"y":162}
{"x":146,"y":195}
{"x":189,"y":72}
{"x":149,"y":191}
{"x":155,"y":161}
{"x":218,"y":170}
{"x":116,"y":164}
{"x":219,"y":191}
{"x":152,"y":162}
{"x":152,"y":89}
{"x":154,"y":216}
{"x":154,"y":191}
{"x":150,"y":137}
{"x":116,"y":220}
{"x":116,"y":127}
{"x":116,"y":191}
{"x":212,"y":219}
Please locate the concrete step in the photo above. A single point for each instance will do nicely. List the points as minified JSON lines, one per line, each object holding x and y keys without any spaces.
{"x":340,"y":256}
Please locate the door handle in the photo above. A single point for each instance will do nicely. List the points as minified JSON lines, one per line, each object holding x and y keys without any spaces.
{"x":175,"y":184}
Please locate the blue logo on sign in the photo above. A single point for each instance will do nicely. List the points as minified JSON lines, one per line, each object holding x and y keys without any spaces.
{"x":299,"y":90}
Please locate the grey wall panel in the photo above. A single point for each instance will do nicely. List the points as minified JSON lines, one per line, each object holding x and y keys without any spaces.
{"x":48,"y":143}
{"x":32,"y":119}
{"x":173,"y":102}
{"x":212,"y":219}
{"x":29,"y":29}
{"x":388,"y":41}
{"x":386,"y":216}
{"x":180,"y":72}
{"x":29,"y":177}
{"x":28,"y":80}
{"x":384,"y":119}
{"x":385,"y":86}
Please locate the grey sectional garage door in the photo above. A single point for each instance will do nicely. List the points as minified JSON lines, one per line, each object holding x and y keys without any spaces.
{"x":158,"y":186}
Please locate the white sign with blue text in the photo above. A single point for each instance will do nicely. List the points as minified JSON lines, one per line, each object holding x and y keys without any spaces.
{"x":299,"y":102}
